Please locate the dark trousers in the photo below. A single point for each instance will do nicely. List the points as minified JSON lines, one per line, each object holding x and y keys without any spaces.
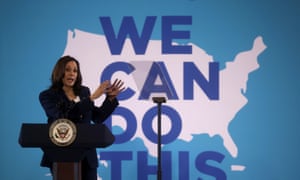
{"x":87,"y":172}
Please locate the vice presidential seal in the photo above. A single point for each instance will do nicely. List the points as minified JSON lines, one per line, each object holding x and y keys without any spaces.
{"x":62,"y":132}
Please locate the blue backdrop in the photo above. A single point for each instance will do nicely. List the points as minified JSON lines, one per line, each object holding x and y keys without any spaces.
{"x":33,"y":36}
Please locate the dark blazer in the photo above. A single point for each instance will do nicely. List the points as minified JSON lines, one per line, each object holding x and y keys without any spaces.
{"x":57,"y":105}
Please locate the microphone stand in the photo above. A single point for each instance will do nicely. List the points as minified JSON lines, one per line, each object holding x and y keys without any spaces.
{"x":159,"y":101}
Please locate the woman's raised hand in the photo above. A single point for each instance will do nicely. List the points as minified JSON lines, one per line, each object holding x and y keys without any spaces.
{"x":114,"y":90}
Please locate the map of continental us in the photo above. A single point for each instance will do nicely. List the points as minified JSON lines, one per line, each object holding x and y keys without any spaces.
{"x":213,"y":117}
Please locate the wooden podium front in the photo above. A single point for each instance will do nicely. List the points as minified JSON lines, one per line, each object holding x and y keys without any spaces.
{"x":67,"y":160}
{"x":67,"y":171}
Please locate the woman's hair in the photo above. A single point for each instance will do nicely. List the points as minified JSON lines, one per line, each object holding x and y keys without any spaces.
{"x":59,"y":72}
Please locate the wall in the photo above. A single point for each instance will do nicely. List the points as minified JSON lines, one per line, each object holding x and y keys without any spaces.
{"x":239,"y":122}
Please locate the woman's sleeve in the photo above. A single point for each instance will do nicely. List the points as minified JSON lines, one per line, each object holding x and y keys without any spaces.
{"x":100,"y":114}
{"x":51,"y":105}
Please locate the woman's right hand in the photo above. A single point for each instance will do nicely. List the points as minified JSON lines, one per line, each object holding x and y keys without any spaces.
{"x":100,"y":90}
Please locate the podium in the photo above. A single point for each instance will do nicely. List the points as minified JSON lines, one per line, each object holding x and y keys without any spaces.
{"x":66,"y":158}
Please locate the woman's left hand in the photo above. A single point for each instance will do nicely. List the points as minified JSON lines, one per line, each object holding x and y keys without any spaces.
{"x":114,"y":90}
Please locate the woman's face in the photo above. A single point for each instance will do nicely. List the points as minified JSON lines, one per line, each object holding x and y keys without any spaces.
{"x":71,"y":72}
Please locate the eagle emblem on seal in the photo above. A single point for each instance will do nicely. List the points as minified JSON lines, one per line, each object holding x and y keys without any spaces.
{"x":62,"y":132}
